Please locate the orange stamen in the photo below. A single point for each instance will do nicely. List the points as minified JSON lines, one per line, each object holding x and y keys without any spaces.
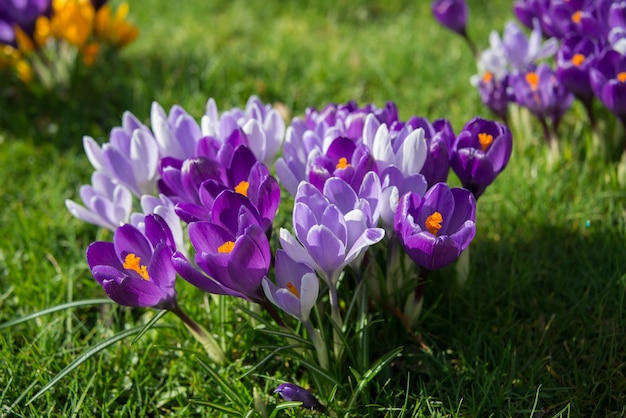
{"x":242,"y":188}
{"x":578,"y":59}
{"x":577,"y":17}
{"x":621,"y":76}
{"x":132,"y":262}
{"x":343,"y":163}
{"x":293,"y":289}
{"x":226,"y":247}
{"x":487,"y":77}
{"x":485,"y":140}
{"x":433,"y":223}
{"x":533,"y":80}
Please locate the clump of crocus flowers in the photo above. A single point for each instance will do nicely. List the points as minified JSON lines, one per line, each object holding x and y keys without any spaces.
{"x":583,"y":57}
{"x":42,"y":40}
{"x":361,"y":181}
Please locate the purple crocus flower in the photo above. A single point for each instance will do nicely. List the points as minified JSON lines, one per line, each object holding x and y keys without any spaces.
{"x":232,"y":250}
{"x":436,"y":228}
{"x":542,"y":93}
{"x":294,"y":393}
{"x":310,"y":138}
{"x":481,"y":151}
{"x":165,"y":208}
{"x":451,"y":14}
{"x":523,"y":52}
{"x":575,"y":17}
{"x":399,"y":158}
{"x":131,"y":156}
{"x":176,"y":133}
{"x":296,"y":288}
{"x":574,"y":60}
{"x":249,"y":177}
{"x":135,"y":269}
{"x":107,"y":204}
{"x":608,"y":81}
{"x":617,"y":15}
{"x":344,"y":159}
{"x":327,"y":240}
{"x":617,"y":39}
{"x":439,"y":138}
{"x":263,"y":126}
{"x":24,"y":13}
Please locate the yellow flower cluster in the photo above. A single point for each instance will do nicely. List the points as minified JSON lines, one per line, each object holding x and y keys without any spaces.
{"x":77,"y":23}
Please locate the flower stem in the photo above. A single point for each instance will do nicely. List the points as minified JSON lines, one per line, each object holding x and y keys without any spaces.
{"x":201,"y":335}
{"x":320,"y":348}
{"x":336,"y":318}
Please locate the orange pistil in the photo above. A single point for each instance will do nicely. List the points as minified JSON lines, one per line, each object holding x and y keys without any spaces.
{"x":621,"y":76}
{"x":433,"y":223}
{"x":577,"y":17}
{"x":533,"y":79}
{"x":343,"y":163}
{"x":293,"y":289}
{"x":226,"y":247}
{"x":487,"y":77}
{"x":132,"y":262}
{"x":242,"y":188}
{"x":485,"y":140}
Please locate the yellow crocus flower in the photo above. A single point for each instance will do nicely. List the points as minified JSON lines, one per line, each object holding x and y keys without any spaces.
{"x":115,"y":29}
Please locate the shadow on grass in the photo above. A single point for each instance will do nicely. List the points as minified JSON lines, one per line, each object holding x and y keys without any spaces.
{"x":540,"y":317}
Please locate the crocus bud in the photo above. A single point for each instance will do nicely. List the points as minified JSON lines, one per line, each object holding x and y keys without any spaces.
{"x":452,"y":14}
{"x":292,"y":392}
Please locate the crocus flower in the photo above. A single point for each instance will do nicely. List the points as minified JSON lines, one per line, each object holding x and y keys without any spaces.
{"x":327,"y":240}
{"x":308,"y":139}
{"x":263,"y":126}
{"x":436,"y":228}
{"x":165,"y":208}
{"x":608,"y":81}
{"x":452,"y":14}
{"x":249,"y":177}
{"x":107,"y":204}
{"x":232,"y":250}
{"x":294,"y":393}
{"x":575,"y":17}
{"x":524,"y":52}
{"x":176,"y":133}
{"x":131,"y":156}
{"x":439,"y":137}
{"x":135,"y":269}
{"x":344,"y":159}
{"x":574,"y":60}
{"x":24,"y":13}
{"x":481,"y":151}
{"x":296,"y":288}
{"x":541,"y":92}
{"x":111,"y":28}
{"x":617,"y":39}
{"x":399,"y":158}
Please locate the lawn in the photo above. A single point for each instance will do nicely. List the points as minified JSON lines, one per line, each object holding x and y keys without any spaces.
{"x":538,"y":330}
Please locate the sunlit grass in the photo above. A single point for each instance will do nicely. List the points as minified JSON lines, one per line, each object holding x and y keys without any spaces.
{"x":540,"y":324}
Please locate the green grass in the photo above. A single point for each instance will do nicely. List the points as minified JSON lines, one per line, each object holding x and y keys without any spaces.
{"x":538,"y":331}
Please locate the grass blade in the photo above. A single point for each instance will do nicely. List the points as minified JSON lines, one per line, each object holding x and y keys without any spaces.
{"x":373,"y":371}
{"x":83,"y":358}
{"x":53,"y":309}
{"x":149,"y":325}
